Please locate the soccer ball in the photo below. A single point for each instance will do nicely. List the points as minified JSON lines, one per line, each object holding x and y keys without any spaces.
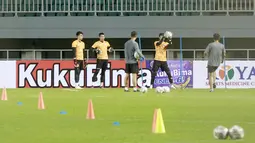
{"x":168,"y":34}
{"x":136,"y":55}
{"x":166,"y":89}
{"x":143,"y":89}
{"x":159,"y":89}
{"x":236,"y":132}
{"x":220,"y":132}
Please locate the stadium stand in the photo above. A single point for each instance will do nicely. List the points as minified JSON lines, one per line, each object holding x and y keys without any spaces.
{"x":124,"y":7}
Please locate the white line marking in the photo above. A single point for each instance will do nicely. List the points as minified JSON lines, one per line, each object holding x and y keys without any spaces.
{"x":67,"y":89}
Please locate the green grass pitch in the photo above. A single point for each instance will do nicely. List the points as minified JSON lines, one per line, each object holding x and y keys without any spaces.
{"x":189,"y":115}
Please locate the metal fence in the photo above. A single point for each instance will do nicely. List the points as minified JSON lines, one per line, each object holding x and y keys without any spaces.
{"x":191,"y":54}
{"x":146,"y":7}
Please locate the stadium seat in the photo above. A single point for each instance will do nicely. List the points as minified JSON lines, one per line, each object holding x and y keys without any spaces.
{"x":130,"y":7}
{"x":100,"y":2}
{"x":8,"y":14}
{"x":114,"y":14}
{"x":113,"y":7}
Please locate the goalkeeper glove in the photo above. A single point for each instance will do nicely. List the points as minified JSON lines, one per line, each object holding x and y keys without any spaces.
{"x":169,"y":40}
{"x":98,"y":51}
{"x":110,"y":49}
{"x":142,"y":59}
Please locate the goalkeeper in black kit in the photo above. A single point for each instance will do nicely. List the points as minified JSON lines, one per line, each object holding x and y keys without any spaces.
{"x":160,"y":60}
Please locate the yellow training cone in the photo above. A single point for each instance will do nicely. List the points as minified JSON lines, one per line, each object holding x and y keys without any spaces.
{"x":158,"y":126}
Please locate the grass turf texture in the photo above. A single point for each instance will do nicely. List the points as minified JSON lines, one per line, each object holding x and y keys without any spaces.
{"x":190,"y":116}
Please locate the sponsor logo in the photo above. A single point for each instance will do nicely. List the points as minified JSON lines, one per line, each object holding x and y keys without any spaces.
{"x":236,"y":75}
{"x":55,"y":74}
{"x":229,"y":72}
{"x":182,"y":74}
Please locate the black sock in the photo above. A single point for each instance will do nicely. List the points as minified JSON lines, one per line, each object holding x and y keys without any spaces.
{"x":153,"y":75}
{"x":94,"y":78}
{"x":170,"y":78}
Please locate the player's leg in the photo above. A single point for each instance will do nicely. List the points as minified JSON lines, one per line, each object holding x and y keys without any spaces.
{"x":127,"y":77}
{"x":98,"y":67}
{"x":134,"y":81}
{"x":211,"y":76}
{"x":164,"y":67}
{"x":154,"y":71}
{"x":104,"y":67}
{"x":134,"y":71}
{"x":214,"y":77}
{"x":76,"y":78}
{"x":77,"y":73}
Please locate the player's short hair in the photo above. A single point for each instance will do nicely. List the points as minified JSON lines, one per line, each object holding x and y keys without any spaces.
{"x":161,"y":34}
{"x":216,"y":36}
{"x":78,"y":33}
{"x":133,"y":34}
{"x":101,"y":33}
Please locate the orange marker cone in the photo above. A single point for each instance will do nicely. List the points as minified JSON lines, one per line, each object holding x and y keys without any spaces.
{"x":154,"y":120}
{"x":41,"y":102}
{"x":4,"y":94}
{"x":90,"y":112}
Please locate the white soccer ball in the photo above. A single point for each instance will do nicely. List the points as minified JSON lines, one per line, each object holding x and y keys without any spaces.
{"x":143,"y":89}
{"x":168,"y":34}
{"x":166,"y":89}
{"x":236,"y":132}
{"x":159,"y":89}
{"x":136,"y":55}
{"x":220,"y":132}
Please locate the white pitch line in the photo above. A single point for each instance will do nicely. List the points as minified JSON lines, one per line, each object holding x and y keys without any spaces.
{"x":68,"y":89}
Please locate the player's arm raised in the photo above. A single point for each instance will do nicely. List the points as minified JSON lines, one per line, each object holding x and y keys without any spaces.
{"x":170,"y":43}
{"x":162,"y":39}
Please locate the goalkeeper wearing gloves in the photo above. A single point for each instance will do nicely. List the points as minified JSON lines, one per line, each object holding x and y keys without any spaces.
{"x":78,"y":47}
{"x":101,"y":48}
{"x":160,"y":60}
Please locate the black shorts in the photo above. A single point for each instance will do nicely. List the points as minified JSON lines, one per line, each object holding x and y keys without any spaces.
{"x":102,"y":64}
{"x":160,"y":64}
{"x":212,"y":69}
{"x":132,"y":68}
{"x":80,"y":64}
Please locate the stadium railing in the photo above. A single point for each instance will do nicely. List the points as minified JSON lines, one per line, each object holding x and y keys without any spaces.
{"x":123,"y":7}
{"x":191,"y":54}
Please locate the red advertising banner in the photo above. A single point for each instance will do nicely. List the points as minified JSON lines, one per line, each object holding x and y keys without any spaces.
{"x":60,"y":74}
